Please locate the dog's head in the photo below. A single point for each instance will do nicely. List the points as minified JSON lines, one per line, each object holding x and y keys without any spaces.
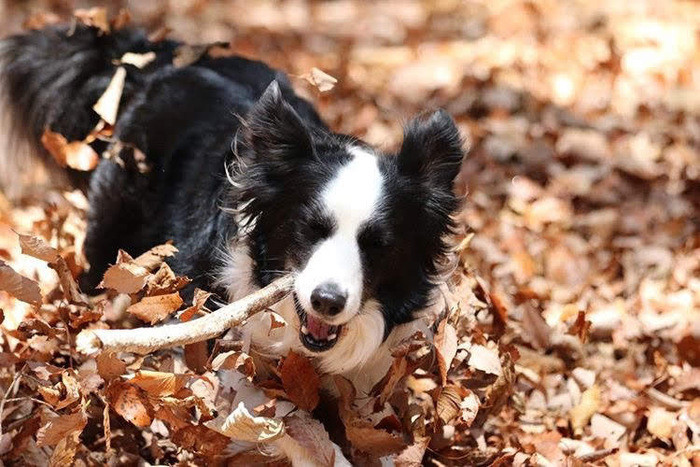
{"x":363,"y":232}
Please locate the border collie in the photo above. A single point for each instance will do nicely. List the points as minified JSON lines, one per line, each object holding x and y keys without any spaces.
{"x":248,"y":182}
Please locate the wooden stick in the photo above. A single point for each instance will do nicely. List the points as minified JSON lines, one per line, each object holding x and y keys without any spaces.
{"x":146,"y":340}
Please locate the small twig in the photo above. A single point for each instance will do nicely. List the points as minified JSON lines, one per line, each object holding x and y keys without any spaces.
{"x":14,"y":382}
{"x":147,"y":340}
{"x":665,"y":399}
{"x":597,"y":455}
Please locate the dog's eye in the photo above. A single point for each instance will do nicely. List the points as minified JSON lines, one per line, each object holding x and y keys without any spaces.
{"x":317,"y":229}
{"x":373,"y":238}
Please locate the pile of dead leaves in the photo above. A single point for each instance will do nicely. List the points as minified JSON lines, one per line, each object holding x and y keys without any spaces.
{"x":195,"y":405}
{"x":573,"y":329}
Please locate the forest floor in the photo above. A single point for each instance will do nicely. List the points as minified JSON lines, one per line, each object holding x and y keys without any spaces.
{"x":574,"y":332}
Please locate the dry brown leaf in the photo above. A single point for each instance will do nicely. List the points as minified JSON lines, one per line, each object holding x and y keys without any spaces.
{"x":300,"y":381}
{"x":240,"y":425}
{"x":201,"y":440}
{"x":107,"y":106}
{"x":446,"y":347}
{"x":234,"y":360}
{"x":320,"y":79}
{"x":37,"y":248}
{"x":20,"y":287}
{"x":413,"y":455}
{"x":157,"y":308}
{"x":448,"y":403}
{"x":109,"y":366}
{"x":125,"y":277}
{"x":94,"y":17}
{"x":164,"y":281}
{"x":57,"y":428}
{"x":311,"y":435}
{"x":130,"y":402}
{"x":581,"y":327}
{"x":65,"y":450}
{"x":77,"y":155}
{"x":154,"y":257}
{"x":590,"y":403}
{"x":535,"y":328}
{"x":198,"y":301}
{"x":377,"y":443}
{"x":159,"y":384}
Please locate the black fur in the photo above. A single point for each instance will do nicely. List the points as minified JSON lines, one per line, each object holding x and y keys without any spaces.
{"x":186,"y":121}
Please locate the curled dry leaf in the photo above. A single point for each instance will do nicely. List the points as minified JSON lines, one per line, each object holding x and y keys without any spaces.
{"x":201,"y":440}
{"x":37,"y":248}
{"x":157,"y":308}
{"x":234,"y":360}
{"x":56,"y":428}
{"x":154,"y":257}
{"x":300,"y":381}
{"x":125,"y":277}
{"x":375,"y":442}
{"x":20,"y":287}
{"x":240,"y":425}
{"x":164,"y":281}
{"x":109,"y":366}
{"x":130,"y":402}
{"x":320,"y":79}
{"x":198,"y":301}
{"x":582,"y":413}
{"x":446,"y":347}
{"x":107,"y":106}
{"x":311,"y":434}
{"x":77,"y":155}
{"x":448,"y":403}
{"x":158,"y":383}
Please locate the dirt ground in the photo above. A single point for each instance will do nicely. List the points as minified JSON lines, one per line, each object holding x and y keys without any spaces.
{"x":574,"y":332}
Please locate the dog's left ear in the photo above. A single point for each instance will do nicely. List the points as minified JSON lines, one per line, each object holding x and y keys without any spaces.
{"x":432,"y":150}
{"x":274,"y":129}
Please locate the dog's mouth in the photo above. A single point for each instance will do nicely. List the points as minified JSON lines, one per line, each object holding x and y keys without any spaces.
{"x":315,"y":334}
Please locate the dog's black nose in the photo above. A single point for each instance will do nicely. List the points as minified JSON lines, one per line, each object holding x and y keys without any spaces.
{"x":328,"y":299}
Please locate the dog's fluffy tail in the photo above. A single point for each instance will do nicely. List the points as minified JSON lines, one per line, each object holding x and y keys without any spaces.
{"x":51,"y":78}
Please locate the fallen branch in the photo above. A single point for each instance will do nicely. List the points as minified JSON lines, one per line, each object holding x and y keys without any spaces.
{"x":146,"y":340}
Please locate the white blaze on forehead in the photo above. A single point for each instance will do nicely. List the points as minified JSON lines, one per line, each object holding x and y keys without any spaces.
{"x":351,"y":198}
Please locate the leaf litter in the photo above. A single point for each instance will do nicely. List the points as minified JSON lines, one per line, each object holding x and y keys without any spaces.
{"x":571,"y":333}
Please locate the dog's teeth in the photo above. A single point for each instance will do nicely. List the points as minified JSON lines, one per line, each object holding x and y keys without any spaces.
{"x":304,"y":330}
{"x":332,"y":336}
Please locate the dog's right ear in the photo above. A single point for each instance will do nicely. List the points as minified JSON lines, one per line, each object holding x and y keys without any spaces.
{"x":274,"y":129}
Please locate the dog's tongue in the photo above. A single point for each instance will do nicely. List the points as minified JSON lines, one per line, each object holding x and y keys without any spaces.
{"x":317,"y":328}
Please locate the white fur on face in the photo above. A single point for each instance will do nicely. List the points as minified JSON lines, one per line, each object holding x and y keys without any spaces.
{"x":351,"y":198}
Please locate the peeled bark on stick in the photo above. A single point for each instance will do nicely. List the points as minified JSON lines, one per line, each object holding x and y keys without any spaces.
{"x":147,"y":340}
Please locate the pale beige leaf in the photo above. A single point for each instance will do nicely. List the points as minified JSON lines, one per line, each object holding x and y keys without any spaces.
{"x":582,"y":413}
{"x":320,"y":79}
{"x":107,"y":105}
{"x":242,"y":426}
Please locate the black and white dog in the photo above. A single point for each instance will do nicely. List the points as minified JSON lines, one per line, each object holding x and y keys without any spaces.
{"x":247,"y":181}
